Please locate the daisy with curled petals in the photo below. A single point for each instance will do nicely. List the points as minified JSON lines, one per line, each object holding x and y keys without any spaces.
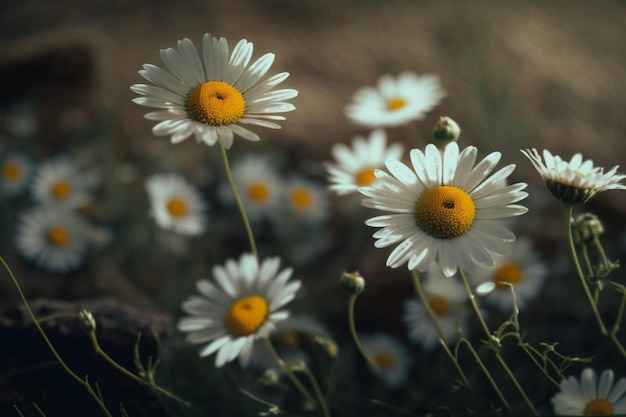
{"x":260,"y":187}
{"x":212,"y":94}
{"x":576,"y":181}
{"x":53,"y":237}
{"x":443,"y":208}
{"x":244,"y":304}
{"x":589,"y":396}
{"x":16,"y":170}
{"x":355,"y":167}
{"x":395,"y":101}
{"x":61,"y":181}
{"x":390,"y":356}
{"x":175,"y":204}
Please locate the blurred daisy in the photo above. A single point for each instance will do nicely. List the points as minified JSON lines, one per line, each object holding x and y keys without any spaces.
{"x":60,"y":180}
{"x":175,"y":204}
{"x":389,"y":355}
{"x":444,"y":209}
{"x":243,"y":306}
{"x":16,"y":173}
{"x":355,"y":167}
{"x":576,"y":181}
{"x":396,"y":101}
{"x":259,"y":186}
{"x":446,"y":297}
{"x":54,"y":237}
{"x":306,"y":199}
{"x":590,"y":396}
{"x":212,"y":94}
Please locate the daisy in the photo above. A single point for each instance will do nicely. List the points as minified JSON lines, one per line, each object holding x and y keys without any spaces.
{"x":259,"y":185}
{"x":590,"y":396}
{"x":306,"y":199}
{"x":389,"y":355}
{"x":15,"y":173}
{"x":355,"y":167}
{"x":446,"y":297}
{"x":213,"y":93}
{"x":396,"y":101}
{"x":444,"y":208}
{"x":61,"y":181}
{"x":175,"y":204}
{"x":243,"y":306}
{"x":519,"y":267}
{"x":54,"y":237}
{"x":576,"y":181}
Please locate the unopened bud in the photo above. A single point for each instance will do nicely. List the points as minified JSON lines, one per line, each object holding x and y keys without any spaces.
{"x":86,"y":322}
{"x":352,"y":283}
{"x":586,"y":228}
{"x":329,"y":346}
{"x":445,"y":131}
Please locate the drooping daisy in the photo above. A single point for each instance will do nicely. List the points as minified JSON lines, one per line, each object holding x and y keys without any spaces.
{"x":590,"y":396}
{"x":355,"y":167}
{"x":395,"y":101}
{"x":16,"y":173}
{"x":389,"y":355}
{"x":307,"y":200}
{"x":241,"y":306}
{"x":576,"y":181}
{"x":259,"y":186}
{"x":519,"y":267}
{"x":53,"y":237}
{"x":444,"y":208}
{"x":212,"y":94}
{"x":61,"y":181}
{"x":175,"y":204}
{"x":446,"y":297}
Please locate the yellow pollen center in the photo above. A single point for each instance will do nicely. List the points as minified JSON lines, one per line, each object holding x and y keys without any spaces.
{"x":598,"y":407}
{"x":176,"y":207}
{"x":508,"y":272}
{"x":383,"y":359}
{"x":439,"y":304}
{"x":288,"y":338}
{"x":365,"y":177}
{"x":258,"y":192}
{"x":61,"y":189}
{"x":395,"y":103}
{"x":445,"y":212}
{"x":57,"y":236}
{"x":215,"y":103}
{"x":301,"y":198}
{"x":11,"y":171}
{"x":246,"y":315}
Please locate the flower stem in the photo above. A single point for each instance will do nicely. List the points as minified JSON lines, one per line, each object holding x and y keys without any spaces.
{"x":317,"y":390}
{"x":354,"y":334}
{"x":242,"y":210}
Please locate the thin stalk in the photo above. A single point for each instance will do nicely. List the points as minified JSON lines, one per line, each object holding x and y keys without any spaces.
{"x":317,"y":390}
{"x":354,"y":334}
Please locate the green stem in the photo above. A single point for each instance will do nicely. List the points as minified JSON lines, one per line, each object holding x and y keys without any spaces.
{"x":354,"y":334}
{"x":242,"y":209}
{"x":317,"y":390}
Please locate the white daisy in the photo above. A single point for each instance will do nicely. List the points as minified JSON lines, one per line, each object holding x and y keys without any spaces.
{"x":576,"y":181}
{"x":60,"y":180}
{"x":175,"y":204}
{"x":446,"y":297}
{"x":243,"y":306}
{"x":396,"y":101}
{"x":390,"y":356}
{"x":16,"y":171}
{"x":212,"y":94}
{"x":519,"y":267}
{"x":54,"y":237}
{"x":259,"y":186}
{"x":355,"y":167}
{"x":307,"y":200}
{"x":444,"y":208}
{"x":590,"y":396}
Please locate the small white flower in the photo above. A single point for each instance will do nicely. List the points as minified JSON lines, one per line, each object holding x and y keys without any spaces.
{"x":16,"y":173}
{"x":307,"y":200}
{"x":54,"y":237}
{"x":355,"y":167}
{"x":395,"y":101}
{"x":245,"y":305}
{"x":259,"y":186}
{"x":390,"y":356}
{"x":175,"y":204}
{"x":590,"y":396}
{"x":61,"y":181}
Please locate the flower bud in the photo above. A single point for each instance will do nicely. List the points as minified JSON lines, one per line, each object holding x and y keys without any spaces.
{"x":352,"y":283}
{"x":445,"y":131}
{"x":86,"y":322}
{"x":586,"y":228}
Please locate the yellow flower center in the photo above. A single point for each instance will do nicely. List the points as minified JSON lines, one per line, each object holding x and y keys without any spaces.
{"x":11,"y":171}
{"x":57,"y":236}
{"x":598,"y":407}
{"x":508,"y":272}
{"x":395,"y":103}
{"x":439,"y":304}
{"x":176,"y":207}
{"x":61,"y":189}
{"x":288,"y":338}
{"x":445,"y":212}
{"x":301,"y":198}
{"x":365,"y":177}
{"x":215,"y":103}
{"x":246,"y":315}
{"x":258,"y":192}
{"x":383,"y":359}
